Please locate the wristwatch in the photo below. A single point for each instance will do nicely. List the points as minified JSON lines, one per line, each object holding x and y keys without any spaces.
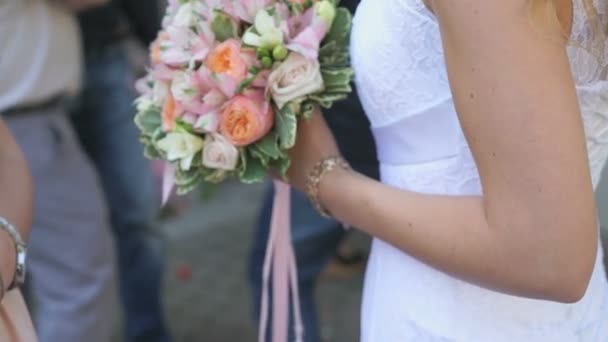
{"x":21,"y":249}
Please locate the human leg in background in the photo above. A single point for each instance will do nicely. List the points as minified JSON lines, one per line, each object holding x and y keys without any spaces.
{"x":71,"y":252}
{"x":104,"y":124}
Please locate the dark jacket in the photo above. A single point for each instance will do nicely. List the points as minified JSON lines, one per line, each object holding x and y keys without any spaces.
{"x":349,"y":124}
{"x":114,"y":21}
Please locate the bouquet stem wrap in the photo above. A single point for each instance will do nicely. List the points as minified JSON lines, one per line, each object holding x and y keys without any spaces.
{"x":280,"y":260}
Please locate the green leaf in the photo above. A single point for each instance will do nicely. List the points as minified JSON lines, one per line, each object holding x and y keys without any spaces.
{"x":268,"y":146}
{"x":148,"y":121}
{"x":340,"y":29}
{"x":336,"y":77}
{"x":334,"y":50}
{"x":327,"y":50}
{"x":216,"y":176}
{"x":186,"y":189}
{"x":158,"y":134}
{"x":245,"y":84}
{"x":328,"y":97}
{"x":286,"y":125}
{"x":295,"y":7}
{"x":339,"y":89}
{"x":308,"y":108}
{"x":263,"y":158}
{"x":281,"y":165}
{"x":186,"y":177}
{"x":183,"y":126}
{"x":151,"y":152}
{"x":243,"y":158}
{"x":254,"y":171}
{"x":223,"y":26}
{"x":186,"y":181}
{"x":335,"y":60}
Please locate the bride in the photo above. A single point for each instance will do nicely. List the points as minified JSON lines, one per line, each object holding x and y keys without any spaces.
{"x":491,"y":120}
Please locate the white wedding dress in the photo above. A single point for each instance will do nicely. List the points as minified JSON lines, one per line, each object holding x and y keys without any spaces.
{"x":402,"y":82}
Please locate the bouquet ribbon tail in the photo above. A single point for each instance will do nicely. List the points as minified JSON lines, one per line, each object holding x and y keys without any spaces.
{"x":280,"y":259}
{"x":168,"y":182}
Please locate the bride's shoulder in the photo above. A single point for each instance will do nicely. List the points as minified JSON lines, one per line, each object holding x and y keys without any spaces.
{"x":463,"y":10}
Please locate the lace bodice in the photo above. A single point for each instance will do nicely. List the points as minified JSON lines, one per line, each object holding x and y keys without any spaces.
{"x":402,"y":82}
{"x":401,"y":71}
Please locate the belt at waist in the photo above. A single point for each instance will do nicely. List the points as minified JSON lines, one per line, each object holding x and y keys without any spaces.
{"x":52,"y":102}
{"x":429,"y":135}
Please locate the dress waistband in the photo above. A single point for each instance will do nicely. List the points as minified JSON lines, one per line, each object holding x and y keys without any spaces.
{"x":429,"y":135}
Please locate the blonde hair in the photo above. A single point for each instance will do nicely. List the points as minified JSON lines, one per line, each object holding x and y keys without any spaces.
{"x":546,"y":9}
{"x":595,"y":44}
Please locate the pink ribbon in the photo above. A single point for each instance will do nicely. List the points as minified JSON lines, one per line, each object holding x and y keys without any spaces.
{"x":168,"y":181}
{"x":281,"y":259}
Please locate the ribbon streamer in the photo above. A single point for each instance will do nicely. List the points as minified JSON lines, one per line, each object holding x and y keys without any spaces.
{"x":280,"y":259}
{"x":168,"y":181}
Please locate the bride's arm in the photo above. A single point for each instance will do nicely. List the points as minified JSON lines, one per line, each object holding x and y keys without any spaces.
{"x":533,"y":232}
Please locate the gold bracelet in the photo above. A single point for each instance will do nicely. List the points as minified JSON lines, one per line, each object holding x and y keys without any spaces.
{"x":316,"y":175}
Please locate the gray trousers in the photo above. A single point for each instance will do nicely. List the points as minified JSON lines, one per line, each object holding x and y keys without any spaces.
{"x":71,"y":254}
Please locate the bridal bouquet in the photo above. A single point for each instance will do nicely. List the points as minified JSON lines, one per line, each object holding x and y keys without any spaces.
{"x":229,"y":79}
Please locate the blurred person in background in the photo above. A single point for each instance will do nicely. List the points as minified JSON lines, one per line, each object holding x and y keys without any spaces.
{"x":315,"y":238}
{"x":15,"y":210}
{"x":602,"y":206}
{"x":15,"y":221}
{"x":71,"y":255}
{"x":104,"y":123}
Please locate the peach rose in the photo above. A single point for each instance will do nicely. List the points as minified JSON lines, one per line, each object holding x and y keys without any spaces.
{"x":246,"y":119}
{"x":226,"y":59}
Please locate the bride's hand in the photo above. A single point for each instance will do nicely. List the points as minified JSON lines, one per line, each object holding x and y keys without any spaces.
{"x":314,"y":143}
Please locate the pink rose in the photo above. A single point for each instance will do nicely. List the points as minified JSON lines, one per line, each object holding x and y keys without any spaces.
{"x":295,"y":78}
{"x":219,"y":153}
{"x":229,"y":65}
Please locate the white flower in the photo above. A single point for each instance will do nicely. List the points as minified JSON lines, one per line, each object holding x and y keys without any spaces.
{"x":218,"y":153}
{"x":268,"y":34}
{"x":187,"y":14}
{"x":181,"y":146}
{"x":296,"y":77}
{"x":159,"y":93}
{"x":183,"y":86}
{"x":170,"y":11}
{"x":144,"y":103}
{"x":207,"y":123}
{"x":176,"y":50}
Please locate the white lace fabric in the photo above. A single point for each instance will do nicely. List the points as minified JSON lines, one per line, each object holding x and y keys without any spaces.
{"x":402,"y":82}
